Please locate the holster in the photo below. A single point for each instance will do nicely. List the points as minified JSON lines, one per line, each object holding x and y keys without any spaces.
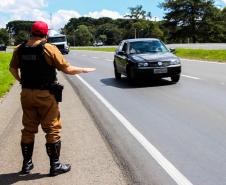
{"x":56,"y":89}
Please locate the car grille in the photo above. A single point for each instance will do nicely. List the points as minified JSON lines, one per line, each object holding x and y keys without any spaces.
{"x":159,"y":64}
{"x":60,"y":46}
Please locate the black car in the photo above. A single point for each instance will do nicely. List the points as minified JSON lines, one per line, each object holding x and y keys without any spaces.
{"x":149,"y":58}
{"x":2,"y":47}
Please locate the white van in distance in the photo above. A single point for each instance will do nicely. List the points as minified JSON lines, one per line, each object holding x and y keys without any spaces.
{"x":59,"y":40}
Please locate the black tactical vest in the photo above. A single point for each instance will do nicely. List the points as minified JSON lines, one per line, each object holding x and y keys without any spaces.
{"x":36,"y":73}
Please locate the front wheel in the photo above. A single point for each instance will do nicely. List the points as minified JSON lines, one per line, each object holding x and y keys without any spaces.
{"x":175,"y":78}
{"x":131,"y":74}
{"x":117,"y":74}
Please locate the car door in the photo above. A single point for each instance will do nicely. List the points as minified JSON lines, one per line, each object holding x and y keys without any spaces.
{"x":122,"y":58}
{"x":117,"y":57}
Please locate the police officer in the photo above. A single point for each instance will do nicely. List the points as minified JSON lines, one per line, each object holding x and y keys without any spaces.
{"x":34,"y":65}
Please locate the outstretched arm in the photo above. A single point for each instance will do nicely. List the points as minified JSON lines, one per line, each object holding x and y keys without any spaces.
{"x":72,"y":70}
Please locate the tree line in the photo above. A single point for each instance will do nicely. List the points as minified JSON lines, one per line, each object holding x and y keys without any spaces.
{"x":184,"y":21}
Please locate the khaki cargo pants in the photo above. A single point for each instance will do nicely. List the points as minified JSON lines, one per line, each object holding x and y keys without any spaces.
{"x":40,"y":107}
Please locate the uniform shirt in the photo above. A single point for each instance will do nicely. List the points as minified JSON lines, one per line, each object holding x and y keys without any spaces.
{"x":51,"y":53}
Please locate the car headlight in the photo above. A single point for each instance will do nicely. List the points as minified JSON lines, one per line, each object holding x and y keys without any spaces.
{"x":175,"y":61}
{"x":143,"y":64}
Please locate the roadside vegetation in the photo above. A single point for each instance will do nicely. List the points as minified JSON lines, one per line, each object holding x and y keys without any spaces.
{"x":6,"y":79}
{"x":199,"y":54}
{"x":188,"y":21}
{"x":110,"y":49}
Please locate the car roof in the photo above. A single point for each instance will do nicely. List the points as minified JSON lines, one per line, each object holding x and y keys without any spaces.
{"x":140,"y":39}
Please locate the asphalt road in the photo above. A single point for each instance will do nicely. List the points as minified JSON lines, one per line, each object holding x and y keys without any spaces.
{"x":186,"y":121}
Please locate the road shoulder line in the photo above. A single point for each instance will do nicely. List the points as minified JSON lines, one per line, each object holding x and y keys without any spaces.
{"x":171,"y":170}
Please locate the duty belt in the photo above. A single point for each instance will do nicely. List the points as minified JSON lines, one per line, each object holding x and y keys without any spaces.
{"x":40,"y":87}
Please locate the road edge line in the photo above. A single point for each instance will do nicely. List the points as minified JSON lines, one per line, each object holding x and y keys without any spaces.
{"x":171,"y":170}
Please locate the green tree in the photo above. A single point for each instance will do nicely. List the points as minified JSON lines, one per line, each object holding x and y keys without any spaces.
{"x":138,"y":28}
{"x":212,"y":28}
{"x":83,"y":36}
{"x":125,"y":25}
{"x":20,"y":37}
{"x":4,"y":36}
{"x":156,"y":32}
{"x":19,"y":30}
{"x":73,"y":23}
{"x":103,"y":38}
{"x":185,"y":17}
{"x":112,"y":33}
{"x":221,"y":20}
{"x":146,"y":29}
{"x":14,"y":27}
{"x":138,"y":13}
{"x":104,"y":20}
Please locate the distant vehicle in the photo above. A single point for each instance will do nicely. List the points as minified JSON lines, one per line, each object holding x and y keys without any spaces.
{"x":59,"y":40}
{"x":148,"y":58}
{"x":3,"y":47}
{"x":99,"y":43}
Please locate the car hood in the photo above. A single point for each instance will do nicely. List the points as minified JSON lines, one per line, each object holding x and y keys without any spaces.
{"x":151,"y":57}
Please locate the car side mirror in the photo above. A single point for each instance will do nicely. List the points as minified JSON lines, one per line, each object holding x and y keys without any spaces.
{"x":173,"y":50}
{"x":121,"y":53}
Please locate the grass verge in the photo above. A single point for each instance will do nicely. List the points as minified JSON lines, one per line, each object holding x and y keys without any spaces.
{"x":6,"y":79}
{"x":201,"y":54}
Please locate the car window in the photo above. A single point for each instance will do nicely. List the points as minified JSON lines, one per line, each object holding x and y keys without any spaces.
{"x":120,"y":46}
{"x":151,"y":46}
{"x":124,"y":48}
{"x":56,"y":39}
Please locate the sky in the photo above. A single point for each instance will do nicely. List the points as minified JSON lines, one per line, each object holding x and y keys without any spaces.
{"x":57,"y":13}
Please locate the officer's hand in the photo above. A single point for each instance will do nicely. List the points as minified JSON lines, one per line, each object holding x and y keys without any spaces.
{"x":88,"y":69}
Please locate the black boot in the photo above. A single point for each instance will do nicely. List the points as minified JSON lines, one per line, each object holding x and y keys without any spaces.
{"x":53,"y":151}
{"x":27,"y":151}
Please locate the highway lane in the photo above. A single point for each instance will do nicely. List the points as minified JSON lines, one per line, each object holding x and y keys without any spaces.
{"x":209,"y":71}
{"x":186,"y":121}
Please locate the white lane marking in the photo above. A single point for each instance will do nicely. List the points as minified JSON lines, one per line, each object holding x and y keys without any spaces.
{"x":109,"y":60}
{"x":172,"y":171}
{"x":95,"y":57}
{"x":84,"y":55}
{"x":192,"y":77}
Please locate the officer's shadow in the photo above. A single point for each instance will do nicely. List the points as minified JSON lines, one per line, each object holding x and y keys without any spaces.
{"x":11,"y":178}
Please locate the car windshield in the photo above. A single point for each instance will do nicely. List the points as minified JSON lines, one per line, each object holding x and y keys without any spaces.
{"x":56,"y":39}
{"x":152,"y":46}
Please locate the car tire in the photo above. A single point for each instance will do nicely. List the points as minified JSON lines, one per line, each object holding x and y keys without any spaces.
{"x":175,"y":78}
{"x":117,"y":74}
{"x":130,"y":74}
